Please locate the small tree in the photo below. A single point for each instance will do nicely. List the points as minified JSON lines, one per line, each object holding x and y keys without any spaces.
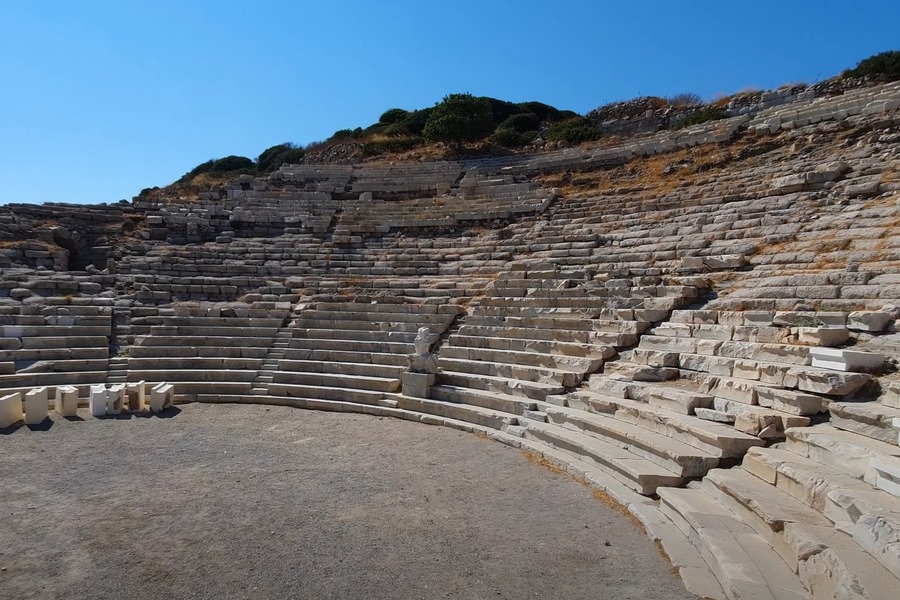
{"x":459,"y":118}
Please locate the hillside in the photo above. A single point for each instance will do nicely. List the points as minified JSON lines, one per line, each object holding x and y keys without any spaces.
{"x":697,"y":319}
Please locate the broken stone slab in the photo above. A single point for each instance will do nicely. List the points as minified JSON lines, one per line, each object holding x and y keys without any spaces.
{"x":11,"y":410}
{"x":717,"y":416}
{"x":821,"y":336}
{"x":830,"y":383}
{"x":887,"y":474}
{"x":789,"y":401}
{"x":866,"y":418}
{"x":66,"y":402}
{"x":36,"y":406}
{"x":846,"y":360}
{"x":891,"y":394}
{"x":873,"y":321}
{"x":654,"y":358}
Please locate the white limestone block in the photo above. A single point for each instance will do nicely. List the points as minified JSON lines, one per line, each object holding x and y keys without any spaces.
{"x":845,"y":360}
{"x":11,"y":410}
{"x":36,"y":406}
{"x":887,"y":473}
{"x":66,"y":403}
{"x":868,"y":320}
{"x":161,"y":396}
{"x":115,"y":398}
{"x":136,"y":396}
{"x":821,"y":336}
{"x":97,"y":400}
{"x":896,"y":424}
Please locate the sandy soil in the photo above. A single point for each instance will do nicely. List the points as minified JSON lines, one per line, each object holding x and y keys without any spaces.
{"x":240,"y":501}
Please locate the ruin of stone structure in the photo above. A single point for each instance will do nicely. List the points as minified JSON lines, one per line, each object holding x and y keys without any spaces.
{"x":700,"y":323}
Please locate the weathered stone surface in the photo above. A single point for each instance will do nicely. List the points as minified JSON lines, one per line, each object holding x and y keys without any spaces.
{"x":828,"y":382}
{"x":868,"y":320}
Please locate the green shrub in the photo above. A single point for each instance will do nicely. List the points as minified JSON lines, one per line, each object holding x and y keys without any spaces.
{"x":459,"y":118}
{"x":685,"y":99}
{"x":392,"y":115}
{"x":885,"y":65}
{"x":228,"y":165}
{"x":272,"y":158}
{"x":545,"y":112}
{"x":510,"y":138}
{"x":521,"y":123}
{"x":702,"y":115}
{"x":342,"y":134}
{"x":575,"y":131}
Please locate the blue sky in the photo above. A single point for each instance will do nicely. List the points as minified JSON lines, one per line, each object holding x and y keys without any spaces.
{"x":100,"y":99}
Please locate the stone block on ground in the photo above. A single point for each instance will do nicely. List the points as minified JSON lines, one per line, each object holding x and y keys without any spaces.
{"x":162,"y":396}
{"x":846,"y":360}
{"x":66,"y":402}
{"x":11,"y":410}
{"x":418,"y":385}
{"x":36,"y":405}
{"x":97,"y":400}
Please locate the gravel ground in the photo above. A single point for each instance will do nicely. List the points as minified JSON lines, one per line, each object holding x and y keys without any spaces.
{"x":237,"y":501}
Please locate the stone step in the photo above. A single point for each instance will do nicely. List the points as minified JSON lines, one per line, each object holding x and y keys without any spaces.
{"x":202,"y":363}
{"x":200,"y":375}
{"x":846,"y":451}
{"x":870,"y":419}
{"x":527,"y":333}
{"x":424,"y":309}
{"x":695,"y":573}
{"x":531,"y":359}
{"x":677,"y":396}
{"x":743,"y":563}
{"x":357,"y":382}
{"x":344,"y":394}
{"x":573,"y":323}
{"x":514,"y":387}
{"x":363,"y":325}
{"x":578,"y":350}
{"x":718,"y":440}
{"x":27,"y":331}
{"x":201,"y":342}
{"x":671,"y":454}
{"x":57,"y":354}
{"x":792,"y":528}
{"x":633,"y":471}
{"x":198,"y":331}
{"x":353,"y":345}
{"x":387,"y":335}
{"x":496,"y":401}
{"x":528,"y":373}
{"x":462,"y":412}
{"x":197,"y":351}
{"x":343,"y":316}
{"x":342,"y":368}
{"x":348,"y":356}
{"x":72,"y":342}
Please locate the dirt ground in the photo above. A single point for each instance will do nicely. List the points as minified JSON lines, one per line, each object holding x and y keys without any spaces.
{"x":236,"y":501}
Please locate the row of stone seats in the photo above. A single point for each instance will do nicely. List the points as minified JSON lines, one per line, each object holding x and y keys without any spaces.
{"x":815,"y":517}
{"x":348,"y":349}
{"x":380,"y":216}
{"x":201,"y":350}
{"x":408,"y":178}
{"x":508,"y":364}
{"x":865,"y":101}
{"x":744,"y":368}
{"x":55,"y":344}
